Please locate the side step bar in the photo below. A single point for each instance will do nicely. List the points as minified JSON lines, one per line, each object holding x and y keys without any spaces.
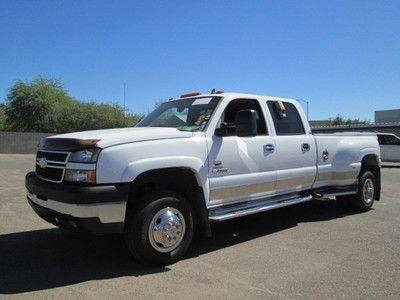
{"x":252,"y":207}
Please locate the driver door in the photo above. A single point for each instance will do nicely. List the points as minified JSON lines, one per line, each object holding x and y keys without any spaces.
{"x":241,"y":168}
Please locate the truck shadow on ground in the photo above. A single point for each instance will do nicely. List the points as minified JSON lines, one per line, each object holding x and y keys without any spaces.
{"x":50,"y":258}
{"x":240,"y":230}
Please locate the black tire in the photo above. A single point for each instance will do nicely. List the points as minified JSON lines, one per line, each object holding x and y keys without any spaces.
{"x":141,"y":241}
{"x":365,"y":197}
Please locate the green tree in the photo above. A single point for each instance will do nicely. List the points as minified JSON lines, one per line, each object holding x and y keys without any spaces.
{"x":339,"y":120}
{"x":28,"y":105}
{"x":78,"y":116}
{"x":132,"y":119}
{"x":3,"y":118}
{"x":44,"y":105}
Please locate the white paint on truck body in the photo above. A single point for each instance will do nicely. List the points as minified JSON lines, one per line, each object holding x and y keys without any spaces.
{"x":246,"y":171}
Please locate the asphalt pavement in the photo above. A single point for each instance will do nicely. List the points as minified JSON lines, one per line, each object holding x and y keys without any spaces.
{"x":308,"y":251}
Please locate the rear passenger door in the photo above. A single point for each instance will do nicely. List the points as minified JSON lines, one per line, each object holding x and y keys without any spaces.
{"x":295,"y":148}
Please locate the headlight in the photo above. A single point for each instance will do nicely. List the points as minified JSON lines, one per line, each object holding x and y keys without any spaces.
{"x":88,"y":176}
{"x":81,"y":166}
{"x":86,"y":155}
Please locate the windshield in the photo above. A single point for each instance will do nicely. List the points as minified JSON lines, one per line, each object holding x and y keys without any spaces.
{"x":184,"y":114}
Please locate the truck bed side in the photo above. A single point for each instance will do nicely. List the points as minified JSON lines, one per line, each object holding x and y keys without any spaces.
{"x":339,"y":157}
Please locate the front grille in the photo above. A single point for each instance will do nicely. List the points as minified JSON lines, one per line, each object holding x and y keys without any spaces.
{"x":59,"y":157}
{"x":50,"y":173}
{"x":50,"y":165}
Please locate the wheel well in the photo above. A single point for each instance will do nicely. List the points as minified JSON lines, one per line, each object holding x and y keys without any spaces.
{"x":371,"y":163}
{"x":180,"y":180}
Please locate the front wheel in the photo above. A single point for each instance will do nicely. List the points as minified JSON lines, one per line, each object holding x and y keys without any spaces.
{"x":365,"y":197}
{"x":160,"y":230}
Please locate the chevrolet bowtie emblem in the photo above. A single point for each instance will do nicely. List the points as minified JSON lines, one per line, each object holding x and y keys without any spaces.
{"x":42,"y":162}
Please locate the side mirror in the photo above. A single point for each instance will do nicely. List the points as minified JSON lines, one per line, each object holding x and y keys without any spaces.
{"x":246,"y":122}
{"x":222,"y":130}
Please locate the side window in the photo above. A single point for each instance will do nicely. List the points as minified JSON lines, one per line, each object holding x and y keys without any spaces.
{"x":392,"y":140}
{"x":228,"y":116}
{"x":381,"y":140}
{"x":290,"y":124}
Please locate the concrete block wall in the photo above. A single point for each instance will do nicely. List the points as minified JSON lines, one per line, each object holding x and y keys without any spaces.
{"x":20,"y":142}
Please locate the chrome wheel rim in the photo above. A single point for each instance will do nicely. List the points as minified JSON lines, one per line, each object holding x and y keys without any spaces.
{"x":368,"y":191}
{"x":167,"y":229}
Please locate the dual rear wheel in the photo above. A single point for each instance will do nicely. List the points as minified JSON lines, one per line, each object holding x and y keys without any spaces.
{"x":365,"y":197}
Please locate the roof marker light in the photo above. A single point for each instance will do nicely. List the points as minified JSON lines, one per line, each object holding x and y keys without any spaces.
{"x":190,"y":95}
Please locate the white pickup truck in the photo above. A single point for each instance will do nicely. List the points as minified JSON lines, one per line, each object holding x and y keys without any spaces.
{"x":198,"y":159}
{"x":390,"y":147}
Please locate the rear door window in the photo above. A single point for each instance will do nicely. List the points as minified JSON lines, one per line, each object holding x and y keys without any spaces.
{"x":288,"y":124}
{"x":392,"y":140}
{"x":381,"y":140}
{"x":384,"y":139}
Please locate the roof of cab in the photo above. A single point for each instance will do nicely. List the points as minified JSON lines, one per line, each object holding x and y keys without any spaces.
{"x":238,"y":95}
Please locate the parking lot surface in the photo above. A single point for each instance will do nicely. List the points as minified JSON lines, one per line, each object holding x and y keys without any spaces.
{"x":313,"y":250}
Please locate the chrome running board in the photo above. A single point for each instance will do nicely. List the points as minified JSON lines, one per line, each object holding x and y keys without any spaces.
{"x":253,"y":207}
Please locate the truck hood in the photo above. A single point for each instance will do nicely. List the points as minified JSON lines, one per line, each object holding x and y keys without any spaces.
{"x":109,"y":137}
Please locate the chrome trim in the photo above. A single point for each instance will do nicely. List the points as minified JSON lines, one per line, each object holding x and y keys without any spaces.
{"x":368,"y":191}
{"x":325,"y":155}
{"x":269,"y":148}
{"x":167,"y":229}
{"x":55,"y":161}
{"x":259,"y":190}
{"x":253,"y":207}
{"x":240,"y":191}
{"x":54,"y":164}
{"x":292,"y":182}
{"x":339,"y":194}
{"x":327,"y":175}
{"x":109,"y":212}
{"x":305,"y":147}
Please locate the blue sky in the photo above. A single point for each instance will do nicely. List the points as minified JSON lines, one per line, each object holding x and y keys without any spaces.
{"x":341,"y":56}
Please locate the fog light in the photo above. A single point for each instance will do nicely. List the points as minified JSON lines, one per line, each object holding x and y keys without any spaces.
{"x":88,"y":176}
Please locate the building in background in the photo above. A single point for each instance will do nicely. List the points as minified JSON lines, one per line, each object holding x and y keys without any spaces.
{"x":387,"y":116}
{"x":387,"y":121}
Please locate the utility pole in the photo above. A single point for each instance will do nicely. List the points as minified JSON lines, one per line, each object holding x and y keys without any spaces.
{"x":306,"y":102}
{"x":124,"y":101}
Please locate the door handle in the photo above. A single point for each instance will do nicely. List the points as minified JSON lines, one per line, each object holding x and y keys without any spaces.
{"x":269,"y":148}
{"x":305,"y":147}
